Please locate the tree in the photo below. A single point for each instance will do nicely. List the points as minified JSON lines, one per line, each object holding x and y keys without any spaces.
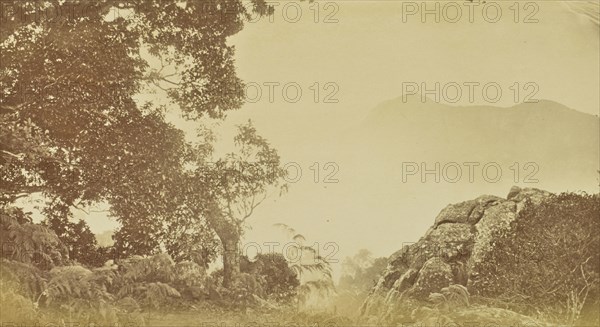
{"x":227,"y":191}
{"x":79,"y":240}
{"x":70,"y":125}
{"x":169,"y":225}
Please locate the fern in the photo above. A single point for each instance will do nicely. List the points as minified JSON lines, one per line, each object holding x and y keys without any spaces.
{"x":437,"y":298}
{"x":313,"y":270}
{"x":149,"y":294}
{"x":150,"y":280}
{"x":29,"y":243}
{"x":316,"y":263}
{"x":20,"y":286}
{"x":159,"y":267}
{"x":16,"y":307}
{"x":453,"y":296}
{"x":457,"y":295}
{"x":128,"y":304}
{"x":24,"y":279}
{"x":315,"y":290}
{"x":189,"y":274}
{"x":77,"y":282}
{"x":72,"y":292}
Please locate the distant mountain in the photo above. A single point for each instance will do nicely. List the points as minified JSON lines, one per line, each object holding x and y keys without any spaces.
{"x":562,"y":142}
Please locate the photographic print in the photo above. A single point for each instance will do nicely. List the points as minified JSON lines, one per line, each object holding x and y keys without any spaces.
{"x":245,"y":163}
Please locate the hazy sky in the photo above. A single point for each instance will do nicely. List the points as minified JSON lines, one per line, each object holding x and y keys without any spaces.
{"x":358,"y":54}
{"x":369,"y":53}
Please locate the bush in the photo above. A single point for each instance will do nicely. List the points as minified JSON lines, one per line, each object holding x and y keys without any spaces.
{"x":29,"y":243}
{"x":77,"y":237}
{"x":156,"y":281}
{"x":548,"y":261}
{"x":20,"y":287}
{"x":278,"y":281}
{"x":268,"y":277}
{"x":72,"y":292}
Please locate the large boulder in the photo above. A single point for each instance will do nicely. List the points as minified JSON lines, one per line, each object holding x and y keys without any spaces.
{"x":433,"y":276}
{"x":447,"y":254}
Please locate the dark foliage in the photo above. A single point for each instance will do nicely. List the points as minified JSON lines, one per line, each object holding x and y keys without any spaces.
{"x":548,"y":261}
{"x":29,"y":243}
{"x":71,"y":126}
{"x":279,"y":281}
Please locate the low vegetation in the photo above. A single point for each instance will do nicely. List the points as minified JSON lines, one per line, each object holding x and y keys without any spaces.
{"x":553,"y":269}
{"x":41,"y":283}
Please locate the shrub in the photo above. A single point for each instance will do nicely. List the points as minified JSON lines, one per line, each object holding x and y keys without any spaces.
{"x":278,"y":281}
{"x":82,"y":294}
{"x":268,"y":277}
{"x":29,"y":243}
{"x":23,"y":279}
{"x":189,"y":274}
{"x":548,"y":261}
{"x":20,"y":287}
{"x":156,"y":280}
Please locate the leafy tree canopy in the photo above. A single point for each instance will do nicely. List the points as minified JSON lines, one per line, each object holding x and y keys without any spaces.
{"x":71,"y":126}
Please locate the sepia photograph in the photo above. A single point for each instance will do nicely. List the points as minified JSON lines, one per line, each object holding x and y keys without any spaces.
{"x":299,"y":163}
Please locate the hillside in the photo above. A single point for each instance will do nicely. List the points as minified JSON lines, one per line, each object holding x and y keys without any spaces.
{"x":562,"y":141}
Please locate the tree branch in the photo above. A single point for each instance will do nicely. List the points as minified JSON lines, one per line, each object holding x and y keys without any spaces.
{"x":19,"y":156}
{"x":254,"y":205}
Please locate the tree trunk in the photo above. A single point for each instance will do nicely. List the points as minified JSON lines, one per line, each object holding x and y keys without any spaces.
{"x":229,"y":233}
{"x":231,"y":260}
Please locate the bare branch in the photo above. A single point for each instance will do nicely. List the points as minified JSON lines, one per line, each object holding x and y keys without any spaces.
{"x":19,"y":156}
{"x":254,"y":205}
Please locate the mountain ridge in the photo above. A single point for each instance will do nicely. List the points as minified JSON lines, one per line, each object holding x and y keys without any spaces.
{"x":428,"y":104}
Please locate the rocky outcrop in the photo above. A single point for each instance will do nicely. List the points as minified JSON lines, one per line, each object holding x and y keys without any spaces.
{"x":447,"y":254}
{"x":472,"y":316}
